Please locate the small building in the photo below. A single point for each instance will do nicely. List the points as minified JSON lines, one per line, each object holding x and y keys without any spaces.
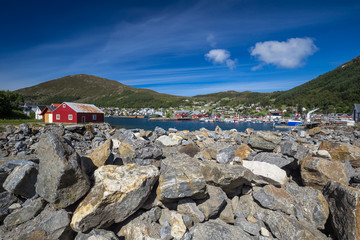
{"x":47,"y":113}
{"x":69,"y":112}
{"x":356,"y":113}
{"x":38,"y":112}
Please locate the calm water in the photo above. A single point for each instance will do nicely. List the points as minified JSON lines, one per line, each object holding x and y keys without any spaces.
{"x":143,"y":123}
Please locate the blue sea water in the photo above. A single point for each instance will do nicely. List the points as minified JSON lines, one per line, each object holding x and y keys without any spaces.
{"x":144,"y":123}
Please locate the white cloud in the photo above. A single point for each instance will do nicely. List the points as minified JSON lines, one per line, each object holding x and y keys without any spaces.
{"x":288,"y":54}
{"x":220,"y":56}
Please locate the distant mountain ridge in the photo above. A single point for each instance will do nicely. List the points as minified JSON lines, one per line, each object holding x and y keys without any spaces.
{"x":339,"y":88}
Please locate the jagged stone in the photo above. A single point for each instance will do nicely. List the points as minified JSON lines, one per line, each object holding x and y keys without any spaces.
{"x":155,"y":214}
{"x":225,"y":155}
{"x":266,"y":172}
{"x":168,"y":141}
{"x":243,"y":151}
{"x":230,"y":178}
{"x":227,"y":214}
{"x":317,"y":172}
{"x":275,"y":159}
{"x":141,"y":227}
{"x":61,"y":180}
{"x":165,"y":231}
{"x":284,"y":226}
{"x":6,"y":200}
{"x":118,"y":192}
{"x":217,"y":229}
{"x":289,"y":148}
{"x":190,"y":149}
{"x":264,"y":140}
{"x":102,"y":154}
{"x":342,"y":152}
{"x":306,"y":203}
{"x":188,"y":206}
{"x":344,"y":204}
{"x":21,"y":181}
{"x":178,"y":227}
{"x":180,"y":177}
{"x":24,"y":214}
{"x":213,"y":204}
{"x":251,"y":228}
{"x":100,"y":234}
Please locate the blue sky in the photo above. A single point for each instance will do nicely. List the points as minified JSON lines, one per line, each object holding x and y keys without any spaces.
{"x":178,"y":47}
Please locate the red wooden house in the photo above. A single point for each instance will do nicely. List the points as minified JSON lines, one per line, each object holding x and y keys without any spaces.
{"x":47,"y":112}
{"x":69,"y":112}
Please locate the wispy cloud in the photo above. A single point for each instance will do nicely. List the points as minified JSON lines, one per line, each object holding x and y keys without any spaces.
{"x":220,"y":56}
{"x":287,"y":54}
{"x":211,"y":40}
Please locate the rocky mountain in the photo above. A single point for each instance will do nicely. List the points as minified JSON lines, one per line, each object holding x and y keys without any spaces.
{"x":95,"y":182}
{"x":96,"y":90}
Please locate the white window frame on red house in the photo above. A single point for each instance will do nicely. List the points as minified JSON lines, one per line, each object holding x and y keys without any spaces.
{"x":94,"y":117}
{"x":57,"y":116}
{"x":70,"y":117}
{"x":64,"y":105}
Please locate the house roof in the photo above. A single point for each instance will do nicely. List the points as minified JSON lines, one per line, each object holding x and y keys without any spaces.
{"x":49,"y":108}
{"x":83,"y":108}
{"x":357,"y":107}
{"x":41,"y":107}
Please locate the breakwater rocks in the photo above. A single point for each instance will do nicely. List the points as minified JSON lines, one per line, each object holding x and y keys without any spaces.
{"x":96,"y":182}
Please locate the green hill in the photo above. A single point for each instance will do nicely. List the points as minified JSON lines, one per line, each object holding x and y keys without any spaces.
{"x":100,"y":91}
{"x":338,"y":88}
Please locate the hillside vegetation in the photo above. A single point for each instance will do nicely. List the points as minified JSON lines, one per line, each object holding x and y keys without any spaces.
{"x":336,"y":90}
{"x":100,"y":91}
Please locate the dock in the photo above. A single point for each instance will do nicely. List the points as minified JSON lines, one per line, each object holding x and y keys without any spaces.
{"x":289,"y":127}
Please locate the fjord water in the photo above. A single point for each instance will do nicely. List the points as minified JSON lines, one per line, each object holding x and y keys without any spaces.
{"x":143,"y":123}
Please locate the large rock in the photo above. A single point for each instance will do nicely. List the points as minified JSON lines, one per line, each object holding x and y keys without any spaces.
{"x":24,"y":214}
{"x":140,"y":227}
{"x":22,"y":179}
{"x":180,"y":177}
{"x":306,"y":203}
{"x":6,"y":199}
{"x":168,"y":141}
{"x":100,"y":234}
{"x":317,"y":172}
{"x":230,"y":178}
{"x":342,"y":152}
{"x":190,"y":149}
{"x":284,"y":226}
{"x":266,"y":173}
{"x":264,"y":140}
{"x":243,"y":151}
{"x":49,"y":224}
{"x":214,"y":203}
{"x":217,"y":229}
{"x":102,"y":154}
{"x":344,"y":204}
{"x":273,"y":158}
{"x":225,"y":155}
{"x":61,"y":180}
{"x":118,"y":192}
{"x":188,"y":207}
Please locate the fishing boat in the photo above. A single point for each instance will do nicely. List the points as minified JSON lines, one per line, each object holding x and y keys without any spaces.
{"x":293,"y":122}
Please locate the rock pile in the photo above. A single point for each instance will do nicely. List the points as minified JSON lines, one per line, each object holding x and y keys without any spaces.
{"x":96,"y":182}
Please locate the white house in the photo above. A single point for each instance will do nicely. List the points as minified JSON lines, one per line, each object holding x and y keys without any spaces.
{"x":38,"y":110}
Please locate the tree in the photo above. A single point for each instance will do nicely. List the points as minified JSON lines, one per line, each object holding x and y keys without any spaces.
{"x":9,"y":101}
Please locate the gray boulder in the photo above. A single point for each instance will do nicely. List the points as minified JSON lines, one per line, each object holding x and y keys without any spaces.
{"x":6,"y":199}
{"x":217,"y":229}
{"x":230,"y":178}
{"x":344,"y":204}
{"x":180,"y":177}
{"x":100,"y":234}
{"x":225,"y":155}
{"x":61,"y":180}
{"x":119,"y":191}
{"x":214,"y":203}
{"x":22,"y":179}
{"x":188,"y":206}
{"x":25,"y":213}
{"x":264,"y":140}
{"x":274,"y":158}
